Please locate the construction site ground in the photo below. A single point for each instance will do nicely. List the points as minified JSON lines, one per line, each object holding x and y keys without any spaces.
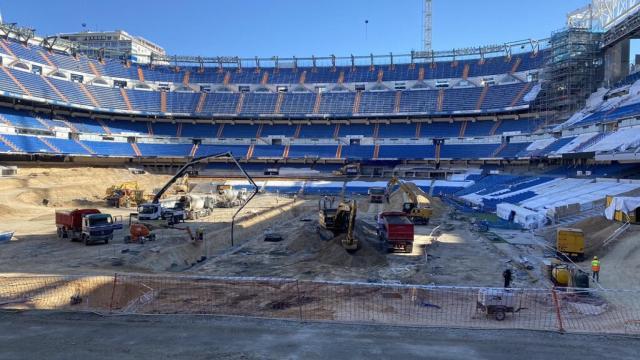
{"x":84,"y":336}
{"x":456,"y":256}
{"x":446,"y":252}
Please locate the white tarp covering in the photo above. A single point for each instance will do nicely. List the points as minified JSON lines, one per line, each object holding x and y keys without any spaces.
{"x":622,"y":203}
{"x":620,"y":140}
{"x":540,"y":144}
{"x":525,"y":217}
{"x":573,"y":144}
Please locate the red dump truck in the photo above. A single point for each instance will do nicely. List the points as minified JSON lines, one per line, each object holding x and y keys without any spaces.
{"x":87,"y":225}
{"x":395,"y":229}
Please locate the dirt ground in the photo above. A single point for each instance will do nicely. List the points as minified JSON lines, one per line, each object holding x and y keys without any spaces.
{"x":455,"y":256}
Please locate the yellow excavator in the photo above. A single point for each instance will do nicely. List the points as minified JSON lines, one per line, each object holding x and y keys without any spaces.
{"x":127,"y":194}
{"x":182,"y":185}
{"x":418,"y":207}
{"x":340,"y":220}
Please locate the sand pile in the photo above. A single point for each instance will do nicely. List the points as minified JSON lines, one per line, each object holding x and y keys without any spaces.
{"x":397,"y":199}
{"x":596,"y":230}
{"x":365,"y":257}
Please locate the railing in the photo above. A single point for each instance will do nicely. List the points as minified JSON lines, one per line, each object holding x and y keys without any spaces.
{"x":565,"y":310}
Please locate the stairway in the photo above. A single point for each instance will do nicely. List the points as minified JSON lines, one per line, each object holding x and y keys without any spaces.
{"x":149,"y":128}
{"x":483,"y":94}
{"x":339,"y":152}
{"x":515,"y":66}
{"x":240,"y":103}
{"x":227,"y":79}
{"x":194,"y":150}
{"x":336,"y":131}
{"x":465,"y":72}
{"x":220,"y":132}
{"x":495,"y":127}
{"x":3,"y":120}
{"x":380,"y":75}
{"x":140,"y":74}
{"x":7,"y":49}
{"x":18,"y":83}
{"x":70,"y":125}
{"x":396,"y":105}
{"x":163,"y":101}
{"x":186,"y":77}
{"x":285,"y":153}
{"x":316,"y":105}
{"x":259,"y":131}
{"x":49,"y":145}
{"x":418,"y":130}
{"x":296,"y":135}
{"x":41,"y":121}
{"x":89,"y":95}
{"x":136,"y":149}
{"x":84,"y":146}
{"x":376,"y":151}
{"x":265,"y":78}
{"x":125,"y":97}
{"x":521,"y":94}
{"x":250,"y":151}
{"x":356,"y":102}
{"x":279,"y":103}
{"x":438,"y":151}
{"x":376,"y":130}
{"x":55,"y":89}
{"x":44,"y":56}
{"x":440,"y":100}
{"x":463,"y":128}
{"x":93,"y":69}
{"x":10,"y":144}
{"x":303,"y":77}
{"x":104,"y":126}
{"x":179,"y":129}
{"x":497,"y":151}
{"x":421,"y":73}
{"x":341,"y":78}
{"x":201,"y":102}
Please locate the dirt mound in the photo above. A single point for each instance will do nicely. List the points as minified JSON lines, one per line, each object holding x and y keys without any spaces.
{"x":596,"y":231}
{"x":366,"y":256}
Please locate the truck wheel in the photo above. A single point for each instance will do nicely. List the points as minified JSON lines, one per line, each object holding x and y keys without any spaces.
{"x":500,"y":314}
{"x":85,"y":239}
{"x":59,"y":233}
{"x":106,"y":241}
{"x":409,"y":249}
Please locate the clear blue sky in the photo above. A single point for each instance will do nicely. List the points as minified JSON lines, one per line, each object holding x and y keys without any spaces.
{"x":297,"y":27}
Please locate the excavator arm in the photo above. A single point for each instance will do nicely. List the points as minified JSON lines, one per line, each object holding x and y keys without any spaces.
{"x":184,"y":170}
{"x":350,"y":243}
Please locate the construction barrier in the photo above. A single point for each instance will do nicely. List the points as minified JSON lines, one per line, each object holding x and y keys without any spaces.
{"x":565,"y":310}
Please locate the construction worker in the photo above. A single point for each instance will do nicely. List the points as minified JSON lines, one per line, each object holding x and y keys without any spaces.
{"x":595,"y":268}
{"x":508,"y":276}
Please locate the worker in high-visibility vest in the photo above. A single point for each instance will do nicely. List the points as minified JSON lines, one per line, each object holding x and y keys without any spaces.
{"x":595,"y":268}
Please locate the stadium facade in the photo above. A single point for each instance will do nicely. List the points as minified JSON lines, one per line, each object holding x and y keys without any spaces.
{"x":528,"y":102}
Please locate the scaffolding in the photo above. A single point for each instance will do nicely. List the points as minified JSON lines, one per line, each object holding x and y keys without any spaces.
{"x":573,"y":70}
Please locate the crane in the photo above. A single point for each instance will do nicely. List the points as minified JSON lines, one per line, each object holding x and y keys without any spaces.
{"x":418,"y":208}
{"x":427,"y":25}
{"x":155,"y":211}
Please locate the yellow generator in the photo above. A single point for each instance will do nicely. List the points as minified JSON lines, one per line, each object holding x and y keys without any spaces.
{"x":570,"y":242}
